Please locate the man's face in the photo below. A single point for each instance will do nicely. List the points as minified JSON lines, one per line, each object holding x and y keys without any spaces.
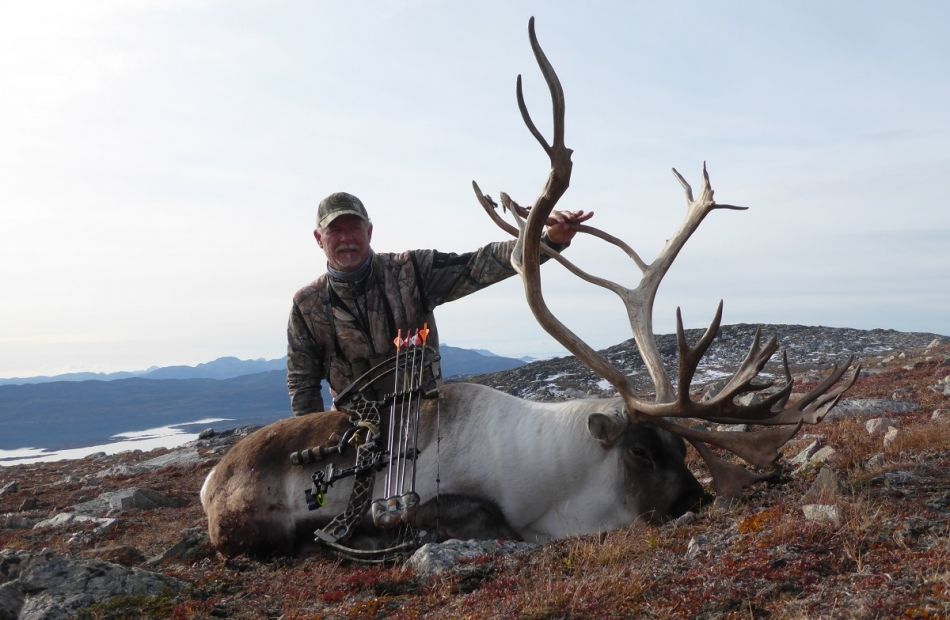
{"x":345,"y":241}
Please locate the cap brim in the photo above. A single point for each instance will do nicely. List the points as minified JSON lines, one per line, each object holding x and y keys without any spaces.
{"x":332,"y":216}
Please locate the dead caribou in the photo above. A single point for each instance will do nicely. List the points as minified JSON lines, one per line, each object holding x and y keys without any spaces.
{"x":489,"y":465}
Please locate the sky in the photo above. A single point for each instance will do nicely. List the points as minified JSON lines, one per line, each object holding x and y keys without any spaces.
{"x":161,"y":163}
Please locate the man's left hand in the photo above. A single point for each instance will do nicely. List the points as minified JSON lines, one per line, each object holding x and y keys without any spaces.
{"x":562,"y":225}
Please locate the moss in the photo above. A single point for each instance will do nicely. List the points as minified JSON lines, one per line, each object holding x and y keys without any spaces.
{"x":131,"y":607}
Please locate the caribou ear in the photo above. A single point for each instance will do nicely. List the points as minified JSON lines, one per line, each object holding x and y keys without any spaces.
{"x":606,"y":428}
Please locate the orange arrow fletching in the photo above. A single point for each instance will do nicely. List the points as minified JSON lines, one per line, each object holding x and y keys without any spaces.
{"x":398,"y":341}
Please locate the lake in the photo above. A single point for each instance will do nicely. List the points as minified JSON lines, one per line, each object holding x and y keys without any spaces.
{"x":170,"y":436}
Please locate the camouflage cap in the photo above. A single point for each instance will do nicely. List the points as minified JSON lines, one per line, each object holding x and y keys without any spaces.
{"x":337,"y":204}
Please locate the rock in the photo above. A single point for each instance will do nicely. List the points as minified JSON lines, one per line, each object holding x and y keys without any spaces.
{"x":69,"y":518}
{"x":822,"y":455}
{"x":877,"y":425}
{"x":875,"y":462}
{"x":194,"y":546}
{"x":11,"y":600}
{"x":46,"y":585}
{"x":685,"y":519}
{"x":436,"y":558}
{"x":900,"y":478}
{"x":696,"y":546}
{"x":890,"y":437}
{"x":802,"y":457}
{"x":822,"y":513}
{"x":938,"y":414}
{"x":207,"y":433}
{"x":10,"y":487}
{"x":142,"y":499}
{"x":903,"y":392}
{"x":12,"y":521}
{"x":933,"y":344}
{"x":185,"y":457}
{"x":824,"y":490}
{"x":869,"y":407}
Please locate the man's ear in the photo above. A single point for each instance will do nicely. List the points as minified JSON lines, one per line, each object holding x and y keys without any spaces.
{"x":318,"y":237}
{"x":369,"y":231}
{"x":606,"y":428}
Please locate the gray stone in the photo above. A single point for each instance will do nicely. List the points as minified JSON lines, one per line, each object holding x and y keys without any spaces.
{"x":890,"y":437}
{"x":869,"y":407}
{"x":436,"y":558}
{"x":822,"y":513}
{"x":142,"y":499}
{"x":900,"y":478}
{"x":824,"y":490}
{"x":13,"y":521}
{"x":685,"y":519}
{"x":696,"y":546}
{"x":876,"y":462}
{"x":195,"y":545}
{"x":185,"y":457}
{"x":47,"y":585}
{"x":878,"y":425}
{"x":69,"y":518}
{"x":10,"y":487}
{"x":802,"y":457}
{"x":733,"y":428}
{"x":207,"y":433}
{"x":938,"y":414}
{"x":11,"y":600}
{"x":822,"y":455}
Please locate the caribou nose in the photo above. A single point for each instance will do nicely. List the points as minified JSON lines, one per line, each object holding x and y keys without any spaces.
{"x":693,"y":497}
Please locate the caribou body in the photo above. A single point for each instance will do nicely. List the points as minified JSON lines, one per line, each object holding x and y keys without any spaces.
{"x":503,"y":467}
{"x":508,"y":467}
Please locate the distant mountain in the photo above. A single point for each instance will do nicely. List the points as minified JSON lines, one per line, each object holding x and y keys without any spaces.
{"x":458,"y":362}
{"x":221,"y":368}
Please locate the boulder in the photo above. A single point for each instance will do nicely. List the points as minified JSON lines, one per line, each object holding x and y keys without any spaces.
{"x":869,"y":407}
{"x":824,"y":490}
{"x":890,"y":437}
{"x":42,"y":584}
{"x":878,"y":425}
{"x":433,"y":559}
{"x":822,"y":513}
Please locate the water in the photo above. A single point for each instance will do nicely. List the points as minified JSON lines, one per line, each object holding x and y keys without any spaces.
{"x":170,"y":436}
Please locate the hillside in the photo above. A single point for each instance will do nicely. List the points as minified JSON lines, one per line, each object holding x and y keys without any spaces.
{"x":881,"y":550}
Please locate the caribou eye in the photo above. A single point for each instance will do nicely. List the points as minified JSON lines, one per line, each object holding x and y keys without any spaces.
{"x":641,"y":455}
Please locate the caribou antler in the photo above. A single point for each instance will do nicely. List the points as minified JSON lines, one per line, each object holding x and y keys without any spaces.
{"x":760,"y":448}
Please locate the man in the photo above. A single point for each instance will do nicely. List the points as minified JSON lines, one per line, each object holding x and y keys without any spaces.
{"x":345,"y":321}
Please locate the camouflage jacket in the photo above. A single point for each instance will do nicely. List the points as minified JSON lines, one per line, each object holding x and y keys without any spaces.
{"x":334,"y":327}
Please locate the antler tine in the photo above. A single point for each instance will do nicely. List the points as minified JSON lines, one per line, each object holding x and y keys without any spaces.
{"x":490,"y":208}
{"x":836,"y":373}
{"x":690,"y":357}
{"x":514,"y":207}
{"x":758,"y":448}
{"x":729,"y":479}
{"x":525,"y":256}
